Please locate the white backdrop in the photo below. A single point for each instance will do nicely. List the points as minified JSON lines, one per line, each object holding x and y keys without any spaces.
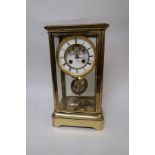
{"x":42,"y":138}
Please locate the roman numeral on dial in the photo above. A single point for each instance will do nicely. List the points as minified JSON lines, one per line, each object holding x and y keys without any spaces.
{"x":64,"y":63}
{"x":90,"y":55}
{"x":89,"y":63}
{"x":68,"y":43}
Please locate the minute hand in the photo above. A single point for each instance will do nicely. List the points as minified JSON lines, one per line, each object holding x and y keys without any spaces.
{"x":84,"y":58}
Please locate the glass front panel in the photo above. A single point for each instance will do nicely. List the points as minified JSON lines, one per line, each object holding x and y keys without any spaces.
{"x":75,"y":93}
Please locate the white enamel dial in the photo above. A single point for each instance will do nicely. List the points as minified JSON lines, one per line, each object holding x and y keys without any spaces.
{"x":76,"y":56}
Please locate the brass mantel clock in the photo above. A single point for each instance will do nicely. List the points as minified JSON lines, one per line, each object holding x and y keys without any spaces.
{"x":77,"y":60}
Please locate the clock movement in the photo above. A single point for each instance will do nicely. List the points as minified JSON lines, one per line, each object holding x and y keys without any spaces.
{"x":77,"y":60}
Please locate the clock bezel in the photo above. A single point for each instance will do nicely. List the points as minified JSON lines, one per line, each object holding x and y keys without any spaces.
{"x":63,"y":68}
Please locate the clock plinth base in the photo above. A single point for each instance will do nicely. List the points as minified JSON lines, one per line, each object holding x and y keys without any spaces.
{"x":88,"y":120}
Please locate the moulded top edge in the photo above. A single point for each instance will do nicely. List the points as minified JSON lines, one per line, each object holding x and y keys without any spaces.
{"x":99,"y":26}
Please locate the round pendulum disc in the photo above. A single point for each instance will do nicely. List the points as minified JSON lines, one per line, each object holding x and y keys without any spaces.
{"x":79,"y":85}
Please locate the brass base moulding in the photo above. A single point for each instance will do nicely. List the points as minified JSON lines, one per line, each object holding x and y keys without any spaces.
{"x":90,"y":121}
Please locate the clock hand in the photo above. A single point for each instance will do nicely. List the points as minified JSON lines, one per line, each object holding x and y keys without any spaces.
{"x":76,"y":54}
{"x":81,"y":57}
{"x":84,"y":58}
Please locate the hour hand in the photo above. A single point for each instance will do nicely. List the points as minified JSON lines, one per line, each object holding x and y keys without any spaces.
{"x":83,"y":58}
{"x":76,"y":56}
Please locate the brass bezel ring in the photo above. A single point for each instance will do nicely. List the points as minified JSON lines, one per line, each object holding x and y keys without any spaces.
{"x":63,"y":68}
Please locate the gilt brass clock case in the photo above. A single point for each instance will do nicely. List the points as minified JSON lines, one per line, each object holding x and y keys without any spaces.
{"x":77,"y":98}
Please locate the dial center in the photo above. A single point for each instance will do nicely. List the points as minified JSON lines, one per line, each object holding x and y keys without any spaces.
{"x":76,"y":56}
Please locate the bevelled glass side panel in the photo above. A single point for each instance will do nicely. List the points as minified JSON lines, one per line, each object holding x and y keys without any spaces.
{"x":58,"y":71}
